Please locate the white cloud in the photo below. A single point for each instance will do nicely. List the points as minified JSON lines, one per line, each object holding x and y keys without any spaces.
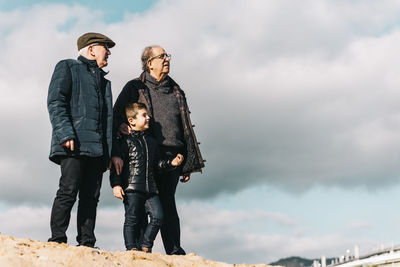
{"x":25,"y":222}
{"x":289,"y":94}
{"x":296,"y":92}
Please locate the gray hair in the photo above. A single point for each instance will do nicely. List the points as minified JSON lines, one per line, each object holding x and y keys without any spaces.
{"x":146,"y":55}
{"x":83,"y":51}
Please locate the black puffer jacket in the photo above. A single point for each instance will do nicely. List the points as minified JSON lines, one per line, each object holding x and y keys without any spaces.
{"x":139,"y":151}
{"x":80,"y":108}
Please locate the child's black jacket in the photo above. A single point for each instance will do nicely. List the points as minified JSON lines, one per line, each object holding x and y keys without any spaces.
{"x":139,"y":151}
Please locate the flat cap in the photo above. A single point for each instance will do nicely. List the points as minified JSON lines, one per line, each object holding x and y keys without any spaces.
{"x":94,"y":38}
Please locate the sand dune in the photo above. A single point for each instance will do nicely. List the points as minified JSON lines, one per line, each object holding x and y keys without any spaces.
{"x":16,"y":252}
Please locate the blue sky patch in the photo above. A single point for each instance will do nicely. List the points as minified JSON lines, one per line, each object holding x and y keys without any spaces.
{"x":114,"y":11}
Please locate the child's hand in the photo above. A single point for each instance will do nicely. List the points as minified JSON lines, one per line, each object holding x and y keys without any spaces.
{"x":177,"y":160}
{"x":118,"y":192}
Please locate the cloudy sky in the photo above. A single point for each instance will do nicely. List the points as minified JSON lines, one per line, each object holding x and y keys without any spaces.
{"x":296,"y":106}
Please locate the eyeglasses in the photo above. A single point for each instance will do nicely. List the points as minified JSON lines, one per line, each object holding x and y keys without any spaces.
{"x":162,"y":56}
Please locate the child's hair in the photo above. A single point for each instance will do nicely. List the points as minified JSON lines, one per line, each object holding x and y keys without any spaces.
{"x":132,"y":109}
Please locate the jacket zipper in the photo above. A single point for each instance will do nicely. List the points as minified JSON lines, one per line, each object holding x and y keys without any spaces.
{"x":99,"y":99}
{"x":147,"y":164}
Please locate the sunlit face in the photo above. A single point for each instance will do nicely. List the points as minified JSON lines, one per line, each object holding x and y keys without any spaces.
{"x":159,"y":61}
{"x":100,"y":53}
{"x":141,"y":122}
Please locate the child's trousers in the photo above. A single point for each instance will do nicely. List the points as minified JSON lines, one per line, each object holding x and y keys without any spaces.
{"x":138,"y":204}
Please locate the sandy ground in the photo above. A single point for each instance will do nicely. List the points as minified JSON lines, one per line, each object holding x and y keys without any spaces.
{"x":16,"y":252}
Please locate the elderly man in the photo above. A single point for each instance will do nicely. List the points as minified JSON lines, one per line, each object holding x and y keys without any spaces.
{"x":80,"y":107}
{"x":170,"y":125}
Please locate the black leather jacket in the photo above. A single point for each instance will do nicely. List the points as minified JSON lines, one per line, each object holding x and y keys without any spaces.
{"x":139,"y":151}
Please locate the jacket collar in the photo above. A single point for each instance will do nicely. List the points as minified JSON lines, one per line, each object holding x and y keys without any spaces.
{"x":91,"y":64}
{"x":138,"y":133}
{"x":163,"y":86}
{"x":142,"y":78}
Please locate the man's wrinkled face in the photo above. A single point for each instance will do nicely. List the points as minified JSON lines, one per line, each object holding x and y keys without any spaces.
{"x":159,"y":61}
{"x":100,"y":52}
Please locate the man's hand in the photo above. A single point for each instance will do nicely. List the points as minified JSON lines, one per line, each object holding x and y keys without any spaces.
{"x":177,"y":160}
{"x":118,"y":192}
{"x":124,"y":128}
{"x":118,"y":164}
{"x":185,"y":178}
{"x":69,"y":144}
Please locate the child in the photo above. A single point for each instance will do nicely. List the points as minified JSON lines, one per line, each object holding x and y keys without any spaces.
{"x":135,"y":185}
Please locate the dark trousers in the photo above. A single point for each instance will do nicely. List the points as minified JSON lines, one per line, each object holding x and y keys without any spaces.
{"x":170,"y":229}
{"x":81,"y":175}
{"x":137,"y":206}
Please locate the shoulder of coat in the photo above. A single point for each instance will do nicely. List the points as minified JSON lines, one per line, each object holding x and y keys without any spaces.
{"x":71,"y":61}
{"x":136,"y":83}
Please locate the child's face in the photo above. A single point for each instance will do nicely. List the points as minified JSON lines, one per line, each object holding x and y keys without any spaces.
{"x":141,"y":122}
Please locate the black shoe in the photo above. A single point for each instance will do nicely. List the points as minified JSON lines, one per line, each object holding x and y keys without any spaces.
{"x":179,"y":252}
